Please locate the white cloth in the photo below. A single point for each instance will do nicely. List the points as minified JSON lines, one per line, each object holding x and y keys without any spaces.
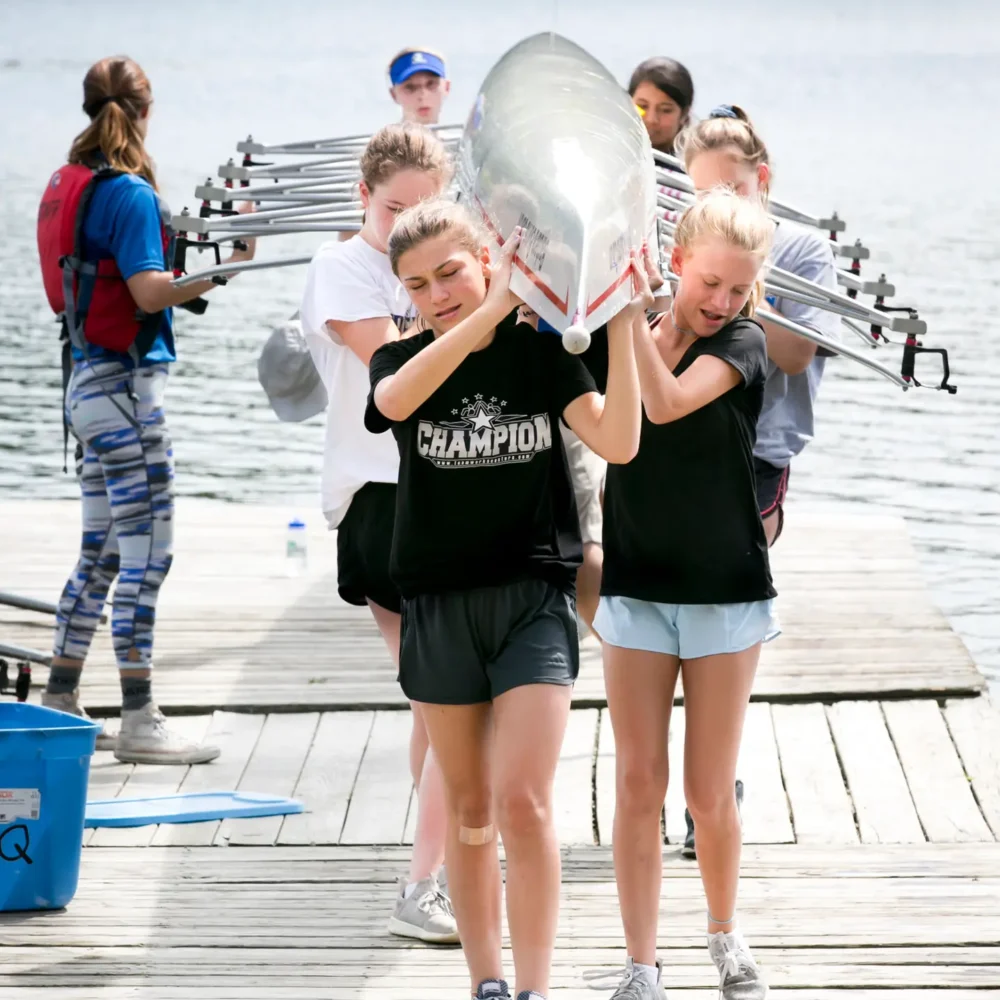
{"x":349,"y":281}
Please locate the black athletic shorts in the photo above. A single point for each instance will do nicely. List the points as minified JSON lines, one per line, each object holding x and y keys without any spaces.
{"x":772,"y":485}
{"x":470,"y":646}
{"x":364,"y":541}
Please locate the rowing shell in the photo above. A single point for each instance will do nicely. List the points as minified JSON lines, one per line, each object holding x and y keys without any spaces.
{"x":554,"y":144}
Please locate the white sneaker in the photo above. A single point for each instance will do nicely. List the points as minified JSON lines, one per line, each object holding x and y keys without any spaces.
{"x":739,"y":975}
{"x":145,"y":739}
{"x":69,"y":702}
{"x":425,"y":914}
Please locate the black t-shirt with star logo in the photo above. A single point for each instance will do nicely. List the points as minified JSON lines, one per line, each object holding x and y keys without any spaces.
{"x":484,"y":495}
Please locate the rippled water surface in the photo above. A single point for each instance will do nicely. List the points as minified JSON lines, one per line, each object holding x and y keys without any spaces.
{"x":885,"y":111}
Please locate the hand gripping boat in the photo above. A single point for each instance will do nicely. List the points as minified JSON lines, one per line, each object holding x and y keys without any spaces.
{"x":554,"y":144}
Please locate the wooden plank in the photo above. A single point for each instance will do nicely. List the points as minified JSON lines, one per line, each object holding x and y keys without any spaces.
{"x":820,"y":805}
{"x":107,"y":778}
{"x":273,"y":769}
{"x":934,"y":772}
{"x":378,"y":807}
{"x":974,"y":724}
{"x":765,"y":806}
{"x":875,"y":779}
{"x":604,"y":779}
{"x":236,"y":736}
{"x":233,"y":632}
{"x":148,"y":780}
{"x":674,"y":805}
{"x":573,"y":794}
{"x":327,"y":779}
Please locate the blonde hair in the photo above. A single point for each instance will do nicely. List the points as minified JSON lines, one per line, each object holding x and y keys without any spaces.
{"x":742,"y":223}
{"x":404,"y":146}
{"x":432,"y":218}
{"x":730,"y":131}
{"x":116,"y":94}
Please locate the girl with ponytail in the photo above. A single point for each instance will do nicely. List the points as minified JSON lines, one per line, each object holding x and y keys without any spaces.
{"x":106,"y":254}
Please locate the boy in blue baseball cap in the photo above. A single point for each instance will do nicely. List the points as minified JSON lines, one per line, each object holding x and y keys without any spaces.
{"x":418,"y":83}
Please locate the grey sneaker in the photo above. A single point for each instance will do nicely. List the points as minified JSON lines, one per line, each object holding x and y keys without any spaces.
{"x":70,"y":704}
{"x":739,"y":976}
{"x":145,"y":739}
{"x":688,"y":851}
{"x":633,"y":986}
{"x":425,"y":914}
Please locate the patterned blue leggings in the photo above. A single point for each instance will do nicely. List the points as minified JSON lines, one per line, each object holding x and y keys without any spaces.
{"x":126,"y":477}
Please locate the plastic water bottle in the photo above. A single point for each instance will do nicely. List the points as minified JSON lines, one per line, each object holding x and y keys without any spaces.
{"x":295,"y":548}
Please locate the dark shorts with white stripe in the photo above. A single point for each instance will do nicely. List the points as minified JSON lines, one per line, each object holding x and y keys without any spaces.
{"x":772,"y":486}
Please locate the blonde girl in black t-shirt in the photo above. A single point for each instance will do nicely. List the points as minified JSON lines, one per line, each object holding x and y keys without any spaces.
{"x":687,"y":589}
{"x":485,"y":551}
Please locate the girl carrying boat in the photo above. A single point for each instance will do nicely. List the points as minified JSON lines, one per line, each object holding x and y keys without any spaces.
{"x":663,"y":91}
{"x":485,"y":554}
{"x":687,"y":588}
{"x":106,"y":253}
{"x":726,"y":149}
{"x":352,"y":305}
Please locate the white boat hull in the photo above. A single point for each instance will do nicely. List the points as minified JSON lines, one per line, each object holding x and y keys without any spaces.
{"x":555,"y":145}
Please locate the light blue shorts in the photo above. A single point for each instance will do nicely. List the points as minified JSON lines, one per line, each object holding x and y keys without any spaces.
{"x":685,"y":630}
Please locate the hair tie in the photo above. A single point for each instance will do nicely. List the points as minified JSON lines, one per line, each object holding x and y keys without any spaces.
{"x":94,"y":109}
{"x":723,"y":111}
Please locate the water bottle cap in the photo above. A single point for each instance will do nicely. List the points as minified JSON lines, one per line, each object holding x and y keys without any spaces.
{"x":296,"y":523}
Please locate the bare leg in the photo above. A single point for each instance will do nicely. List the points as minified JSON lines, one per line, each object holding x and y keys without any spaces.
{"x":716,"y":694}
{"x":461,"y":736}
{"x":429,"y":834}
{"x":530,"y":724}
{"x":771,"y":525}
{"x":640,"y":687}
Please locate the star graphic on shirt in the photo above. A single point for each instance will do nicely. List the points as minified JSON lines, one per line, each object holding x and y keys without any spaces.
{"x":479,"y":395}
{"x":465,"y":399}
{"x":453,"y":412}
{"x":493,"y":399}
{"x":503,"y":402}
{"x":481,"y":420}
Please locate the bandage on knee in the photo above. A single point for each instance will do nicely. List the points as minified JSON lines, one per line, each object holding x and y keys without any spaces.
{"x":476,"y":836}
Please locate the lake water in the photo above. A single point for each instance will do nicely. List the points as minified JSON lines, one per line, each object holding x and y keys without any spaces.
{"x":885,"y":111}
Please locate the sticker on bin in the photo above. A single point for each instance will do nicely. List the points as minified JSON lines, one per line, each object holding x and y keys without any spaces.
{"x":19,"y":803}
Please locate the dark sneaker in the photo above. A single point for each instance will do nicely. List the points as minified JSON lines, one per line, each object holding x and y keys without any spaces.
{"x":493,"y":989}
{"x":687,"y":851}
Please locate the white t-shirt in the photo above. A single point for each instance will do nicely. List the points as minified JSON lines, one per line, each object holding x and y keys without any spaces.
{"x":350,"y":281}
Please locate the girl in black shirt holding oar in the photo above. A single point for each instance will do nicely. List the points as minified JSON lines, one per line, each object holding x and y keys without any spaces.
{"x":687,"y":589}
{"x":485,"y":551}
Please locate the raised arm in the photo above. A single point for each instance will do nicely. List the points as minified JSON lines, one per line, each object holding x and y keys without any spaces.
{"x":397,"y":396}
{"x":665,"y":397}
{"x":610,"y":425}
{"x":365,"y":336}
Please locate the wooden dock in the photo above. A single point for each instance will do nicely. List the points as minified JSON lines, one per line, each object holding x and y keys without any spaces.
{"x":233,"y":632}
{"x":871,"y":761}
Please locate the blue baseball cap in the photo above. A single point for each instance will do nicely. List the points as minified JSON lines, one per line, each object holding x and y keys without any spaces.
{"x":404,"y":66}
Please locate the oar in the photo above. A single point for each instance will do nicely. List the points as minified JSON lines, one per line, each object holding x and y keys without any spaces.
{"x":248,"y":265}
{"x":252,"y":148}
{"x":677,"y":177}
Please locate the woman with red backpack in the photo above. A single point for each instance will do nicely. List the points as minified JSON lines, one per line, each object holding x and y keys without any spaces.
{"x":106,"y":253}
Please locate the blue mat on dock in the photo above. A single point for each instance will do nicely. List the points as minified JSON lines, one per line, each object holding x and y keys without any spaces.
{"x":187,"y":808}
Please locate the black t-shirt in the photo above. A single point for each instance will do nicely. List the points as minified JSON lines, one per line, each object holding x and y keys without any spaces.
{"x":484,"y":496}
{"x":681,"y":524}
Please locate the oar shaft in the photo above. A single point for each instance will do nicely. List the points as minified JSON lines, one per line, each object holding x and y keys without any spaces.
{"x":248,"y":265}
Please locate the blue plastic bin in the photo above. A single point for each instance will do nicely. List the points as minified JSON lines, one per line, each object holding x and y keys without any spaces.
{"x":44,"y":765}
